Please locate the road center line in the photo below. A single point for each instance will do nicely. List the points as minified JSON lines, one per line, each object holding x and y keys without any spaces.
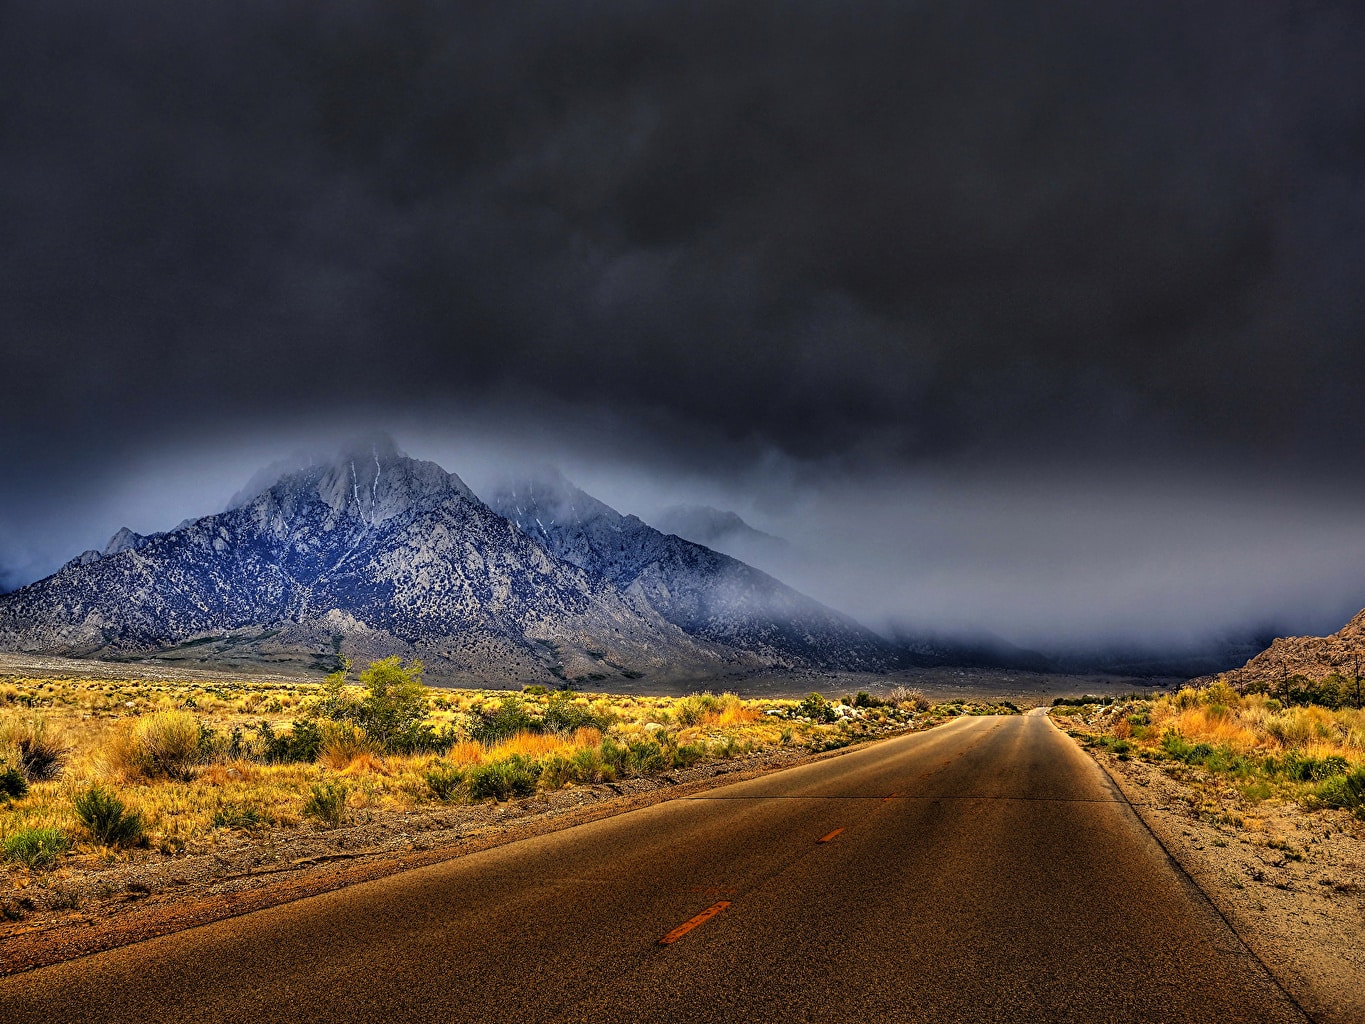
{"x":829,"y":838}
{"x":682,"y":929}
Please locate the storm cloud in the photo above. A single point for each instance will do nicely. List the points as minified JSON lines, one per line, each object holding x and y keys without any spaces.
{"x":819,"y":249}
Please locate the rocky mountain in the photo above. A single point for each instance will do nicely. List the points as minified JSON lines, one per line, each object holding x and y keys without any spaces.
{"x":708,"y":595}
{"x":368,"y":554}
{"x":1314,"y":657}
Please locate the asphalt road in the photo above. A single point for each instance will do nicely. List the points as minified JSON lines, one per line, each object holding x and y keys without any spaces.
{"x":982,"y":871}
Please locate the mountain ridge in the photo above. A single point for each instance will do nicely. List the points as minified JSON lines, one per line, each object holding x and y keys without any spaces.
{"x":373,"y":553}
{"x":706,"y":593}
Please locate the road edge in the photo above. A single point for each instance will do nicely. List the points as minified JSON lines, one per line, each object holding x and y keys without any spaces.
{"x":1187,"y":877}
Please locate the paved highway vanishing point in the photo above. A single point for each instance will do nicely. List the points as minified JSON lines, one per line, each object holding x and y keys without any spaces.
{"x":985,"y":870}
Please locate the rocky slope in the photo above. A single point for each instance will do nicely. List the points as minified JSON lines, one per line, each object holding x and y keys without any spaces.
{"x":708,"y":595}
{"x":1314,"y":657}
{"x":369,"y":554}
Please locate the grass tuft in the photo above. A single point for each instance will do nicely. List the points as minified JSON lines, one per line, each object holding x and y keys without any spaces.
{"x":107,"y":818}
{"x":238,"y":816}
{"x":343,"y":744}
{"x":327,"y":803}
{"x":13,"y":785}
{"x":37,"y":847}
{"x":40,"y":752}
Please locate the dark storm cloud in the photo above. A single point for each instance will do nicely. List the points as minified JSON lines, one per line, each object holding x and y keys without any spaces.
{"x":894,"y":228}
{"x":857,"y":240}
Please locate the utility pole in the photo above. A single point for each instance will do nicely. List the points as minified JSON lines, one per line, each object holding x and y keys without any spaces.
{"x":1357,"y":660}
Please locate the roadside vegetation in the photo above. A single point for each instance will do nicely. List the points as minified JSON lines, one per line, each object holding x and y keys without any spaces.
{"x":120,"y":769}
{"x":1301,"y":741}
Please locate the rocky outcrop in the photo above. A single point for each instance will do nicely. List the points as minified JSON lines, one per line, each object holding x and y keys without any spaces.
{"x":1313,"y":657}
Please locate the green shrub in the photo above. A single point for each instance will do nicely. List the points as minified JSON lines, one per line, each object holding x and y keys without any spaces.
{"x":394,"y":700}
{"x":588,"y":766}
{"x":816,"y":708}
{"x":36,"y":847}
{"x":1225,"y":759}
{"x":1179,"y":748}
{"x":108,"y":820}
{"x":445,"y":781}
{"x":564,"y":714}
{"x":1344,"y":791}
{"x":557,"y":771}
{"x":694,"y":708}
{"x":391,"y":711}
{"x":510,"y":717}
{"x":647,"y":757}
{"x":420,"y":738}
{"x":615,"y":756}
{"x":13,"y":785}
{"x":688,"y":754}
{"x":327,"y":803}
{"x":516,"y":775}
{"x":300,"y":744}
{"x":1303,"y":768}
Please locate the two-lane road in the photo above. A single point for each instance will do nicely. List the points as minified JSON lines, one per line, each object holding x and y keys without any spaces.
{"x":982,"y":871}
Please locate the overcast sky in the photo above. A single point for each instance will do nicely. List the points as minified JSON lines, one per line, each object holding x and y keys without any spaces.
{"x":1043,"y":319}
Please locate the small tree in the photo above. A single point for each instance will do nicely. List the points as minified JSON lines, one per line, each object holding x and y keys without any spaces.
{"x":395,"y":701}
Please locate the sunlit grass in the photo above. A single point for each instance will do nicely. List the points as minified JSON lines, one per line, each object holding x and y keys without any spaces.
{"x":1251,"y":742}
{"x":144,"y":742}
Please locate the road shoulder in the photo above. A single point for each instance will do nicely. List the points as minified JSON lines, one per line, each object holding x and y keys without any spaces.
{"x":1288,"y":881}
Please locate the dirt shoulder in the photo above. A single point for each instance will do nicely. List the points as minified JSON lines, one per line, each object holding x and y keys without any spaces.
{"x":1291,"y":882}
{"x":91,"y":905}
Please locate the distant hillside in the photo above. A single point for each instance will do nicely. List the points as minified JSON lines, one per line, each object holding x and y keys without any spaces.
{"x":709,"y":595}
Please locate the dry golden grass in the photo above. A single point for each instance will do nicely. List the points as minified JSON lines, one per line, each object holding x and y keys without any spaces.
{"x":143,"y":738}
{"x":344,"y":745}
{"x":1256,"y":723}
{"x":466,"y":752}
{"x":534,"y":745}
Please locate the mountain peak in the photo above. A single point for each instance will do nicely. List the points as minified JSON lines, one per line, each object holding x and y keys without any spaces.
{"x":368,"y":477}
{"x":544,"y":498}
{"x":124,"y":540}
